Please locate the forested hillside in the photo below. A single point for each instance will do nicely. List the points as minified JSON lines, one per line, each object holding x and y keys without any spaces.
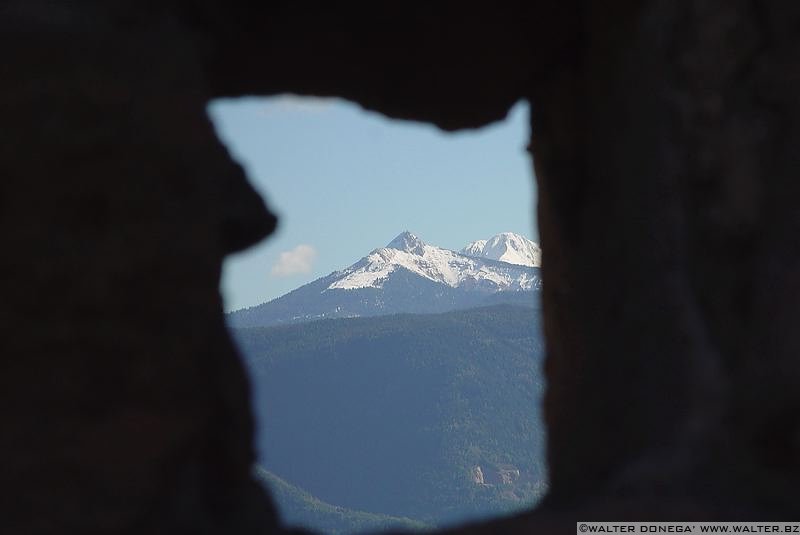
{"x":299,"y":508}
{"x":431,"y":417}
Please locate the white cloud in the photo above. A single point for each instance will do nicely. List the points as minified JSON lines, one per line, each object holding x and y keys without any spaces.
{"x":296,"y":261}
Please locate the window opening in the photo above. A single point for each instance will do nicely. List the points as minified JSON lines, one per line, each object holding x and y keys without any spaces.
{"x":391,"y":327}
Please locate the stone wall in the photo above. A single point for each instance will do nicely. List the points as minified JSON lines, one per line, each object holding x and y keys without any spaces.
{"x":665,"y":140}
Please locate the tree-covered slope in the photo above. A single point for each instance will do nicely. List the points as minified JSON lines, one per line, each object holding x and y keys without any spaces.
{"x":394,"y":414}
{"x":299,"y":508}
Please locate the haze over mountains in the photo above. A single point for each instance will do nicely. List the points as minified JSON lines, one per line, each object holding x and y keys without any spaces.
{"x":411,"y":276}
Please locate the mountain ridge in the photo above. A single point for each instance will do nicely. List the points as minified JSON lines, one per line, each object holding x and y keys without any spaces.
{"x":409,"y":275}
{"x":506,"y":247}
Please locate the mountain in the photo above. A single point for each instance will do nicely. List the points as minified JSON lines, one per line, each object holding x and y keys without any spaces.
{"x":410,"y":276}
{"x":299,"y":508}
{"x":432,"y":417}
{"x":506,"y":247}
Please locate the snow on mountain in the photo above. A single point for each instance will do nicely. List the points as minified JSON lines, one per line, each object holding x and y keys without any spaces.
{"x":409,"y":276}
{"x":493,"y":265}
{"x":475,"y":248}
{"x":506,"y":247}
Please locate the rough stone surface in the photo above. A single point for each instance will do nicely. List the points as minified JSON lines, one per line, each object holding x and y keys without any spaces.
{"x":665,"y":140}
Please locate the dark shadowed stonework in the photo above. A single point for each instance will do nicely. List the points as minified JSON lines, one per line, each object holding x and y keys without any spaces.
{"x":666,"y":141}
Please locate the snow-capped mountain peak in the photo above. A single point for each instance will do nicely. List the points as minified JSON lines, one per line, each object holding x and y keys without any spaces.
{"x":506,"y":247}
{"x":405,"y":241}
{"x":410,"y":276}
{"x":474,"y":248}
{"x":477,"y":270}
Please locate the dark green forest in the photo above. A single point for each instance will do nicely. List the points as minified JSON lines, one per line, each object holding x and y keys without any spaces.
{"x":301,"y":508}
{"x":393,"y":414}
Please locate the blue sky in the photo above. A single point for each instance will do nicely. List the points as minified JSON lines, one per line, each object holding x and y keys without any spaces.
{"x":344,"y":181}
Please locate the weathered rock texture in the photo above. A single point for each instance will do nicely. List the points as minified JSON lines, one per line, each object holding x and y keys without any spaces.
{"x":665,"y":136}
